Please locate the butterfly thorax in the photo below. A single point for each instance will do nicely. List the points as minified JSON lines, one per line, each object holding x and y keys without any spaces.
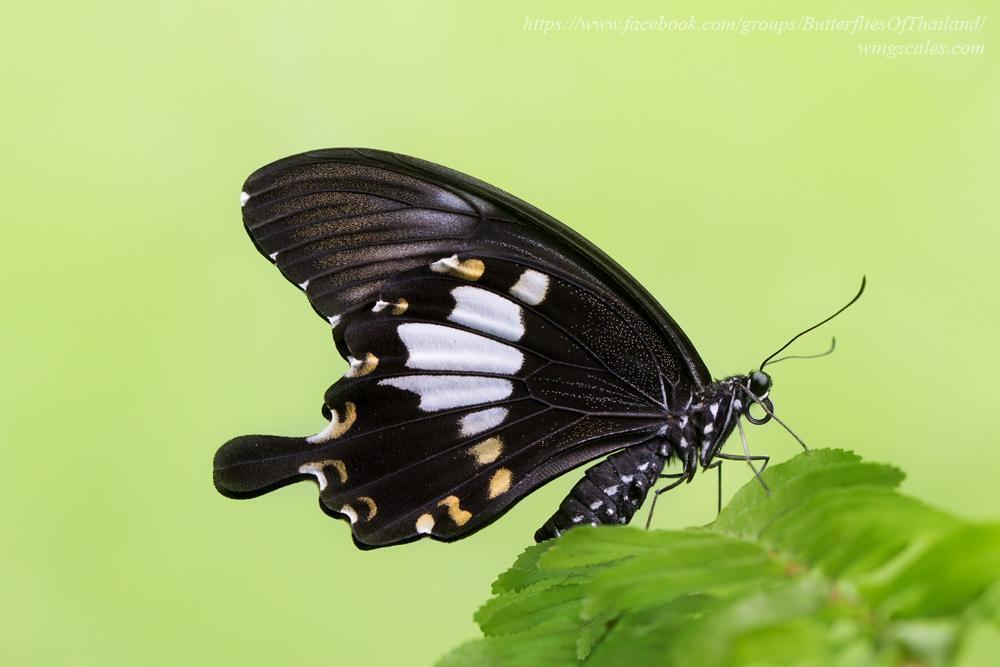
{"x":695,"y":432}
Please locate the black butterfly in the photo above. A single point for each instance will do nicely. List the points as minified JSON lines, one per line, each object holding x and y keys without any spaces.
{"x":491,"y":349}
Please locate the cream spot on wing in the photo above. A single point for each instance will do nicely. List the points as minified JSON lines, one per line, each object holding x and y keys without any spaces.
{"x":304,"y":286}
{"x":359,"y":367}
{"x":437,"y":347}
{"x":441,"y":392}
{"x":488,"y":312}
{"x":334,"y":320}
{"x":274,"y":255}
{"x":455,"y":511}
{"x":318,"y":468}
{"x":425,"y":522}
{"x":244,"y":197}
{"x":336,"y":427}
{"x":487,"y":451}
{"x":531,"y":287}
{"x":483,"y":420}
{"x":349,"y":512}
{"x":500,"y":482}
{"x":398,"y":308}
{"x":469,"y":269}
{"x":372,"y":507}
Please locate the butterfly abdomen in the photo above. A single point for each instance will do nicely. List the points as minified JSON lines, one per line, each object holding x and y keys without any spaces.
{"x":610,"y":492}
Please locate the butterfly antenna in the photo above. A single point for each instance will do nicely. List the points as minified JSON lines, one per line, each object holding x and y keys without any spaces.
{"x":833,"y":346}
{"x":815,"y":326}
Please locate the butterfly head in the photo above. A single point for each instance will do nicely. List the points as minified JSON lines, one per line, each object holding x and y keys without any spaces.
{"x":757,"y":387}
{"x":759,"y":384}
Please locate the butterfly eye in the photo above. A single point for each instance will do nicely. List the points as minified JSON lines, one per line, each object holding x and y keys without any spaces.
{"x":760,"y":384}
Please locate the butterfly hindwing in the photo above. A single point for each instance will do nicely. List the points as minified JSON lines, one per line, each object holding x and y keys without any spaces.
{"x":473,"y":380}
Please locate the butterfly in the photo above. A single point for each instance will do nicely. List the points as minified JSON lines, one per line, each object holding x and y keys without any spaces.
{"x":490,"y":347}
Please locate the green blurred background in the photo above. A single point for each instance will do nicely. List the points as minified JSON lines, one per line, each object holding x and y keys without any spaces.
{"x":747,"y":180}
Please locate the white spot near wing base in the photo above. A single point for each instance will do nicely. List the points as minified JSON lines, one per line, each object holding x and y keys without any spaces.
{"x":436,"y":347}
{"x":488,"y":312}
{"x":445,"y":264}
{"x":443,"y":392}
{"x":243,"y":199}
{"x":483,"y":420}
{"x":531,"y":287}
{"x":469,"y":269}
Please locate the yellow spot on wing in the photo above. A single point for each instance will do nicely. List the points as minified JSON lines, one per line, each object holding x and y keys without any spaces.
{"x":337,"y":427}
{"x":372,"y":507}
{"x":500,"y":482}
{"x":468,"y":269}
{"x":317,"y":468}
{"x":337,"y":465}
{"x":341,"y":469}
{"x":425,"y":522}
{"x":487,"y":451}
{"x":455,"y":512}
{"x":400,"y":306}
{"x":359,"y":368}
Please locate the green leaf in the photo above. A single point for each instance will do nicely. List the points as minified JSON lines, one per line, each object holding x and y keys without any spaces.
{"x":834,"y":567}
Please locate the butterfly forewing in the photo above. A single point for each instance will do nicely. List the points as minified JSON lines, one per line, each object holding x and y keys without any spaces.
{"x":340,"y":222}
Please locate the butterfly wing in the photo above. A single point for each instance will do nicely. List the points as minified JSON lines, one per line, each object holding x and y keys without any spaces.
{"x":486,"y":359}
{"x":340,"y":222}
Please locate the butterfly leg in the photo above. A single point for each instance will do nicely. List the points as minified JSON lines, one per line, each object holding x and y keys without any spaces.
{"x":718,"y":466}
{"x":733,"y":457}
{"x":681,"y":478}
{"x":750,"y":459}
